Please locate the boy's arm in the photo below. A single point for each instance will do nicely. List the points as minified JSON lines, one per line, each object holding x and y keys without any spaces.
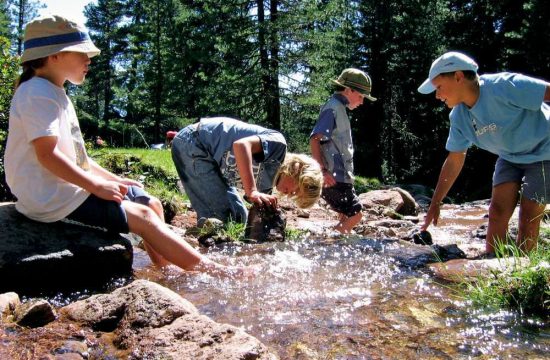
{"x":58,"y":164}
{"x":243,"y":150}
{"x":547,"y":93}
{"x":316,"y":153}
{"x":449,"y":172}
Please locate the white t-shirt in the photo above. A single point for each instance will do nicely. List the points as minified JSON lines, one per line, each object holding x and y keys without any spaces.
{"x":40,"y":108}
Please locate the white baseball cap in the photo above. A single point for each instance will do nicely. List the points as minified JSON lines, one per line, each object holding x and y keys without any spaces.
{"x":448,"y":62}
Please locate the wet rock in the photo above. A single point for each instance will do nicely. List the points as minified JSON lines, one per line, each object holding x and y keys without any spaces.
{"x":156,"y":323}
{"x":415,"y":256}
{"x":302,"y":213}
{"x":480,"y":232}
{"x":390,"y":223}
{"x":410,"y":207}
{"x":73,"y":347}
{"x":35,"y":313}
{"x":413,"y":219}
{"x":421,"y":194}
{"x":395,"y":199}
{"x":68,"y":356}
{"x":428,"y":319}
{"x":8,"y":303}
{"x":211,"y":232}
{"x":419,"y":237}
{"x":37,"y":257}
{"x":422,"y":238}
{"x":265,"y":223}
{"x":460,"y":270}
{"x":448,"y":252}
{"x":301,"y":351}
{"x":209,"y":240}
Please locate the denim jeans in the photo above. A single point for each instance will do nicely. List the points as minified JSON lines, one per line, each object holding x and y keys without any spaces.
{"x":208,"y":191}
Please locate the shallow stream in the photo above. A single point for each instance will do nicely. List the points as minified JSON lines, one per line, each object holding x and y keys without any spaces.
{"x":345,"y":299}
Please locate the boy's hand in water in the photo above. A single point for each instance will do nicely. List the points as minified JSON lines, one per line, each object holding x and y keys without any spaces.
{"x":432,"y":216}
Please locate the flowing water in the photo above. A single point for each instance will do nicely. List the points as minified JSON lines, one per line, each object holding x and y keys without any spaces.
{"x":345,"y":299}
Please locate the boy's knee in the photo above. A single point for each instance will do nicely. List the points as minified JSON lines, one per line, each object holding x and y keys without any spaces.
{"x":155,"y":203}
{"x":498,"y":212}
{"x":139,"y":212}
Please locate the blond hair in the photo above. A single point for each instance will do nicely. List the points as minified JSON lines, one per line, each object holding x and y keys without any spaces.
{"x":307,"y":174}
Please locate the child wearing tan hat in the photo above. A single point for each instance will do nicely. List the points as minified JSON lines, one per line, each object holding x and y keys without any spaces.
{"x":332,"y":146}
{"x":47,"y":167}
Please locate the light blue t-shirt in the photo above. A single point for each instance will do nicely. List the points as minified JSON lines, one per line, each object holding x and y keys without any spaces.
{"x":218,"y":134}
{"x":510,"y":119}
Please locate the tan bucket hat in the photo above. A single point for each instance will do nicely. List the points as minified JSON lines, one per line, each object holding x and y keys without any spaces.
{"x":357,"y":80}
{"x":52,"y":34}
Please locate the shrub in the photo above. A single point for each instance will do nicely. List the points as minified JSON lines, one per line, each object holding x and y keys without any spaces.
{"x":8,"y":75}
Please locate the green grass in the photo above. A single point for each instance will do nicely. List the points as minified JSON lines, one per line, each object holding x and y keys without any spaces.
{"x":157,"y":158}
{"x":234,"y":231}
{"x":523,"y":288}
{"x":294,"y":234}
{"x":154,"y":168}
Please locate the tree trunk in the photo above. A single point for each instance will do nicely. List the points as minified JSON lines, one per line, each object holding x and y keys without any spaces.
{"x":274,"y":104}
{"x":160,"y":75}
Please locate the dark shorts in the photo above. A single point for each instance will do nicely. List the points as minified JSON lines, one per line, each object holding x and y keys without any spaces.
{"x":534,"y":178}
{"x":342,"y":199}
{"x":107,"y":215}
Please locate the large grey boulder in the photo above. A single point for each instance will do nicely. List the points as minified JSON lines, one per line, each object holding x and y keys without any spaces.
{"x":38,"y":258}
{"x":152,"y":322}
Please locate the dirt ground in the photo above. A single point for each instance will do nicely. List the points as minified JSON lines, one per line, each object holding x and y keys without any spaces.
{"x":318,"y":216}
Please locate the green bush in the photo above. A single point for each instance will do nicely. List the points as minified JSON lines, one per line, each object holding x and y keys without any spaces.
{"x":363,"y":185}
{"x":8,"y":75}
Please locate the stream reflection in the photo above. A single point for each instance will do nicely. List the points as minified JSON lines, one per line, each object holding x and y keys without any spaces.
{"x":342,"y":299}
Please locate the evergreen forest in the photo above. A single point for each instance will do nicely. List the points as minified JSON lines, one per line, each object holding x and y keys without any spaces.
{"x":167,"y":63}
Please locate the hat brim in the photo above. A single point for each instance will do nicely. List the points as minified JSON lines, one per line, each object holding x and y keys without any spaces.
{"x":365,"y":94}
{"x":86,"y":47}
{"x":426,"y":87}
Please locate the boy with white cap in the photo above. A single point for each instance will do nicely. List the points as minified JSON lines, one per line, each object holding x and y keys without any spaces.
{"x":332,"y":146}
{"x":506,"y":114}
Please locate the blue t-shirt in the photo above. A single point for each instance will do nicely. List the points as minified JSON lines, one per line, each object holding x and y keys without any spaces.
{"x":218,"y":134}
{"x":509,"y":119}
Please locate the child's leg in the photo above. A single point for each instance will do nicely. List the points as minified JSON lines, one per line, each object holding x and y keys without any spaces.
{"x":138,"y":195}
{"x":201,"y":178}
{"x":348,"y":223}
{"x":156,"y":206}
{"x":503,"y":203}
{"x":165,"y":243}
{"x":343,"y":199}
{"x":535,"y":196}
{"x":530,"y":215}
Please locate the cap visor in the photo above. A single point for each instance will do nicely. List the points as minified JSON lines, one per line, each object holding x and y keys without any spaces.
{"x":371,"y":98}
{"x":426,"y":87}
